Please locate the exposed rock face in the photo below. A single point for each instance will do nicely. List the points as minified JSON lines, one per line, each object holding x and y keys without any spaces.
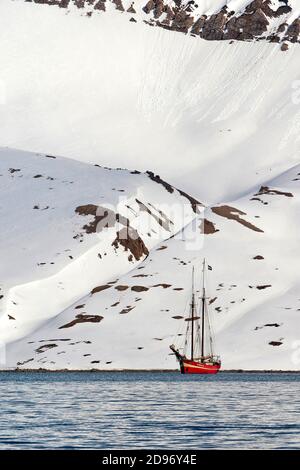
{"x":271,"y":20}
{"x":234,"y":214}
{"x":127,"y":237}
{"x":132,"y":242}
{"x":103,"y":218}
{"x":207,"y":227}
{"x":267,"y":190}
{"x":293,"y":31}
{"x":81,"y":318}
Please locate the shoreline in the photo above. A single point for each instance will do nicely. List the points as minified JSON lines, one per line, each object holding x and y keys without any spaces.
{"x":147,"y":371}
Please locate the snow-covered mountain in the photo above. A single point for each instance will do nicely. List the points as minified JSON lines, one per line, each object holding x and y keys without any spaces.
{"x":106,"y":90}
{"x":78,"y":295}
{"x":69,"y":226}
{"x":96,"y":262}
{"x":274,"y":20}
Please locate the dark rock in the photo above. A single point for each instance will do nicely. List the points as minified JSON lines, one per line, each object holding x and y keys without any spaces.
{"x":80,"y":318}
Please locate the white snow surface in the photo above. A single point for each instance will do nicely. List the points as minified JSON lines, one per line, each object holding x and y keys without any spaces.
{"x":102,"y":89}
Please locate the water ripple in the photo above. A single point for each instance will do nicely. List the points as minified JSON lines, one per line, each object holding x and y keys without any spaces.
{"x":149,"y":410}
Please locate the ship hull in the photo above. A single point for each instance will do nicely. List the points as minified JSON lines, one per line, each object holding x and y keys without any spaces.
{"x":193,"y":367}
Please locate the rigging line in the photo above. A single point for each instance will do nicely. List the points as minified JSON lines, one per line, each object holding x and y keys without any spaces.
{"x":181,"y":327}
{"x":210,"y":332}
{"x":210,"y":325}
{"x":193,"y":314}
{"x":213,"y":335}
{"x":209,"y":340}
{"x":203,"y":310}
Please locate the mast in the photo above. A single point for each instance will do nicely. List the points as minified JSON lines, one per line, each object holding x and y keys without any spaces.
{"x":193,"y":315}
{"x":203,"y":311}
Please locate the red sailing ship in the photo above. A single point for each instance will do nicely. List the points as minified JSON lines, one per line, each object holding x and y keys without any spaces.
{"x":198,"y":339}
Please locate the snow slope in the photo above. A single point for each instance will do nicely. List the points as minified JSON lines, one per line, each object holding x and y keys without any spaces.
{"x":114,"y":313}
{"x":55,"y":247}
{"x":105,"y":90}
{"x":272,"y":20}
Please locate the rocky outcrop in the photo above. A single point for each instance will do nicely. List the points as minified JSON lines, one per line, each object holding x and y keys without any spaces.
{"x":225,"y":24}
{"x":127,"y":237}
{"x":130,"y":240}
{"x":102,"y":218}
{"x":207,"y":227}
{"x":293,"y":31}
{"x":266,"y":190}
{"x":81,"y":318}
{"x":233,"y":213}
{"x":260,"y":19}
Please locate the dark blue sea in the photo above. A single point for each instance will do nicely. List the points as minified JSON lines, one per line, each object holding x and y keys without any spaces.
{"x":133,"y":410}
